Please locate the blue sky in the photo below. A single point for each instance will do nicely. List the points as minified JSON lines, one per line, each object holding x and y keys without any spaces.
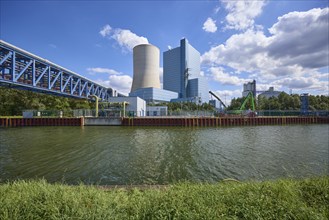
{"x":279,"y":43}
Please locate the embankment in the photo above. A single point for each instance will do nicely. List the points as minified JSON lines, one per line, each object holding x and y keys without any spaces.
{"x":280,"y":199}
{"x":163,"y":121}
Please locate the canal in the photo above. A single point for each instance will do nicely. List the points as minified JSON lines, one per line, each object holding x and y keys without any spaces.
{"x":162,"y":155}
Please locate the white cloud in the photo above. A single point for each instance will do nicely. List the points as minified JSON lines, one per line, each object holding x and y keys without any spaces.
{"x":93,"y":71}
{"x":218,"y":74}
{"x":209,"y":25}
{"x":243,"y":52}
{"x":125,"y":38}
{"x":265,"y":87}
{"x":128,"y":39}
{"x":307,"y":46}
{"x":296,"y":82}
{"x":121,"y":83}
{"x":303,"y":83}
{"x":105,"y":31}
{"x":241,"y":14}
{"x":289,"y":56}
{"x":115,"y":80}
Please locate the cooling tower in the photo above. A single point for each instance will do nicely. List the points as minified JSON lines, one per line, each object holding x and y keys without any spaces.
{"x":146,"y":60}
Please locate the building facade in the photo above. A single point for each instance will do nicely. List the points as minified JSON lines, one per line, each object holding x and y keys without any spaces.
{"x":156,"y":110}
{"x":181,"y":73}
{"x":249,"y":87}
{"x":134,"y":106}
{"x":154,"y":95}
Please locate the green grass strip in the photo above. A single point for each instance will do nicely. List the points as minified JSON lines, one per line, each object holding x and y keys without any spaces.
{"x":280,"y":199}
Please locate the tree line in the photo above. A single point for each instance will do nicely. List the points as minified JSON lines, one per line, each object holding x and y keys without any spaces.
{"x":14,"y":102}
{"x":283,"y":102}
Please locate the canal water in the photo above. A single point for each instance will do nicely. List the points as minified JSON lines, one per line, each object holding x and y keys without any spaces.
{"x":161,"y":155}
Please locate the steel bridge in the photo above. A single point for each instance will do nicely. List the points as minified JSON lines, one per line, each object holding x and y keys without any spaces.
{"x":23,"y":70}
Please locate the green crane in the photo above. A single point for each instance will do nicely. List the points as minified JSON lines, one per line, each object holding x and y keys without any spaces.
{"x":250,"y":97}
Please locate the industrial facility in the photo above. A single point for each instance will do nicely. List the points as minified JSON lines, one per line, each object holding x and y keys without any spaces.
{"x":181,"y":75}
{"x":250,"y":87}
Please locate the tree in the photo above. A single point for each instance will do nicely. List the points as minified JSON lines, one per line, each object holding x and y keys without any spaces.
{"x":14,"y":102}
{"x":284,"y":102}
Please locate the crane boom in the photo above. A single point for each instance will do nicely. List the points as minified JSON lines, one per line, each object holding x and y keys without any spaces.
{"x":250,"y":97}
{"x":217,"y":98}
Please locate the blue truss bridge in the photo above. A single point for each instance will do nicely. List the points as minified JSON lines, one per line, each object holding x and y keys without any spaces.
{"x":22,"y":70}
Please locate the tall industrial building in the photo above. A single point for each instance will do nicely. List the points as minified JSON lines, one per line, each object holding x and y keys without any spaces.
{"x":249,"y":87}
{"x":181,"y":73}
{"x":146,"y":61}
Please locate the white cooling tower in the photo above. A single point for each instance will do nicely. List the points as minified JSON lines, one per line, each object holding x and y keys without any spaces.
{"x":146,"y":67}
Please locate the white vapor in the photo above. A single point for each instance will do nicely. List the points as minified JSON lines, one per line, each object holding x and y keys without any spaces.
{"x":125,"y":38}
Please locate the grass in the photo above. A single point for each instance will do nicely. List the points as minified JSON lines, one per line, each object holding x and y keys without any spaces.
{"x":16,"y":116}
{"x":280,"y":199}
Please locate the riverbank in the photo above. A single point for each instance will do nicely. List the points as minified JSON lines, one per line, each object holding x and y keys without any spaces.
{"x":279,"y":199}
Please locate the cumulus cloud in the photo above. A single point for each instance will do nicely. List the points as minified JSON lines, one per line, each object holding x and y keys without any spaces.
{"x":121,"y":83}
{"x":93,"y":71}
{"x":209,"y":25}
{"x":289,"y":55}
{"x":307,"y":46}
{"x":241,"y":14}
{"x":243,"y":52}
{"x":304,"y":84}
{"x":296,"y":82}
{"x":114,"y":79}
{"x":125,"y":38}
{"x":128,"y":39}
{"x":218,"y":74}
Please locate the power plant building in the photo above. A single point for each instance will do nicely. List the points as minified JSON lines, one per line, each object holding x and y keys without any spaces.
{"x":181,"y":73}
{"x":146,"y":79}
{"x":181,"y":77}
{"x":249,"y":87}
{"x":154,"y":95}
